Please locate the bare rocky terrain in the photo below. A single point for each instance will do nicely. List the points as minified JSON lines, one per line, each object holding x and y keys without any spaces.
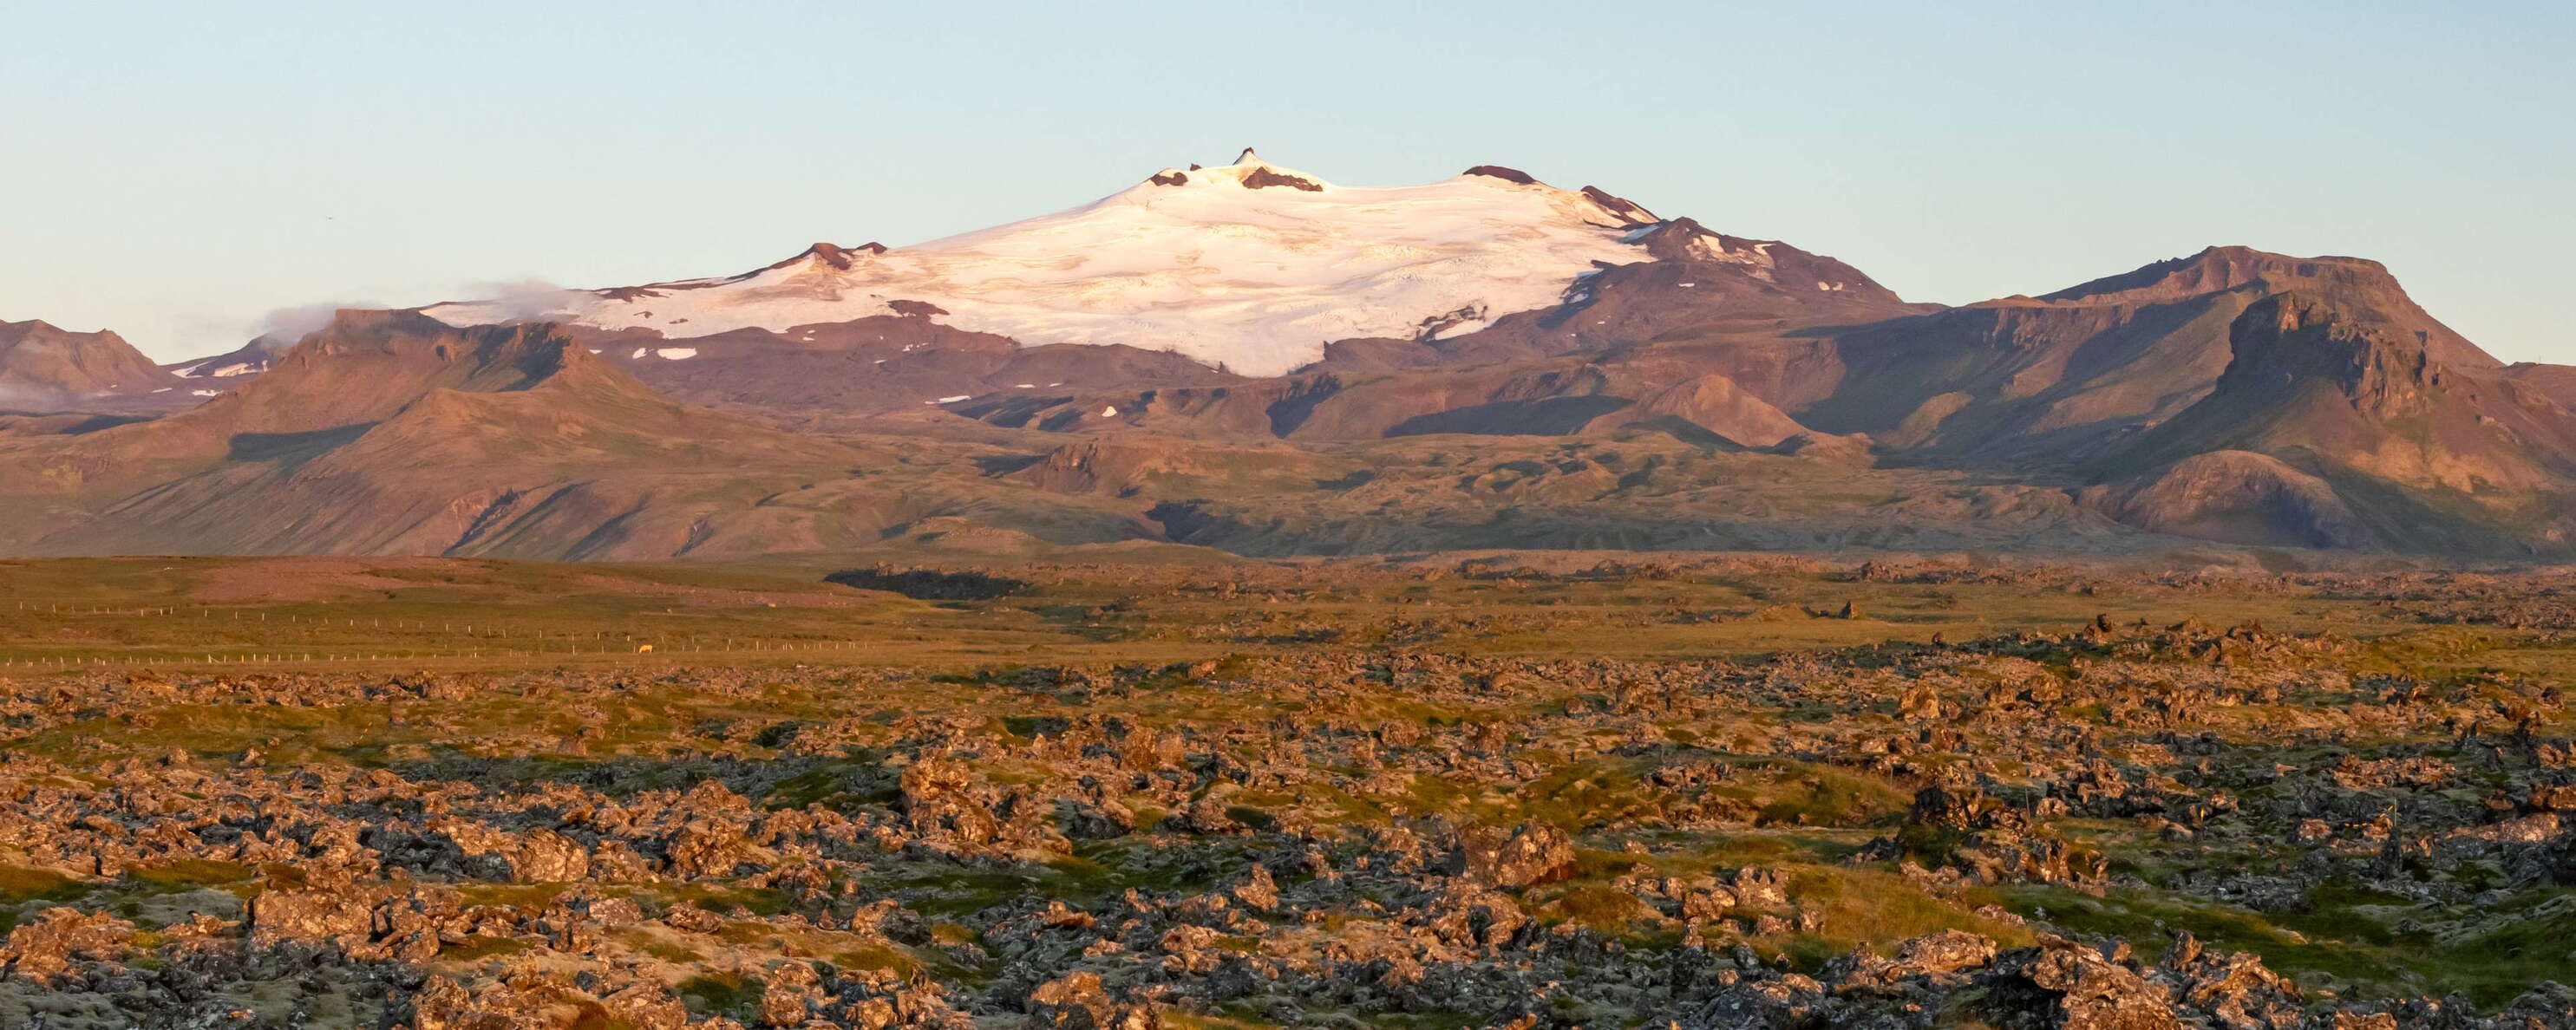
{"x":1777,"y":793}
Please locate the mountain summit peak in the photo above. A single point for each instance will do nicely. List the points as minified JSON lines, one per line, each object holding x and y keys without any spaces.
{"x":1249,"y":171}
{"x":2355,"y":283}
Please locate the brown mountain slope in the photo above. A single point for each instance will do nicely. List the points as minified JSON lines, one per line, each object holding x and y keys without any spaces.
{"x":2556,"y":382}
{"x":1710,"y":402}
{"x":388,"y":433}
{"x":1695,"y":285}
{"x":2234,"y":496}
{"x":2064,"y":376}
{"x":378,"y":435}
{"x":2352,"y":282}
{"x":2426,"y":456}
{"x":875,"y":365}
{"x":365,"y":367}
{"x":43,"y":367}
{"x":1558,"y":396}
{"x":2051,"y":382}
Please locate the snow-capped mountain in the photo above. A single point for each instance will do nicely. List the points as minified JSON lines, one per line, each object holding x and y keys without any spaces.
{"x":1157,"y":354}
{"x":1252,"y":267}
{"x":252,"y":359}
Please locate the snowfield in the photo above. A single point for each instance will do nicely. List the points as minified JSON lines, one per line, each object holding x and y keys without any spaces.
{"x":1254,"y":279}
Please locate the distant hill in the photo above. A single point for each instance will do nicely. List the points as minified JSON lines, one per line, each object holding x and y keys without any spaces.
{"x":44,"y":368}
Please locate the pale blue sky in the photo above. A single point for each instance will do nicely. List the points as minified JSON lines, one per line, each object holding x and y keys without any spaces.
{"x":176,"y":170}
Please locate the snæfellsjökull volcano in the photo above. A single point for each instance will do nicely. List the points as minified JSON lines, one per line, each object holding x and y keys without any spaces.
{"x":1254,"y":358}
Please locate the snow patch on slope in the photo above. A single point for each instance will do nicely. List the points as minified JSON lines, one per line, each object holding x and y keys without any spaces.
{"x":1252,"y":266}
{"x":209,"y":369}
